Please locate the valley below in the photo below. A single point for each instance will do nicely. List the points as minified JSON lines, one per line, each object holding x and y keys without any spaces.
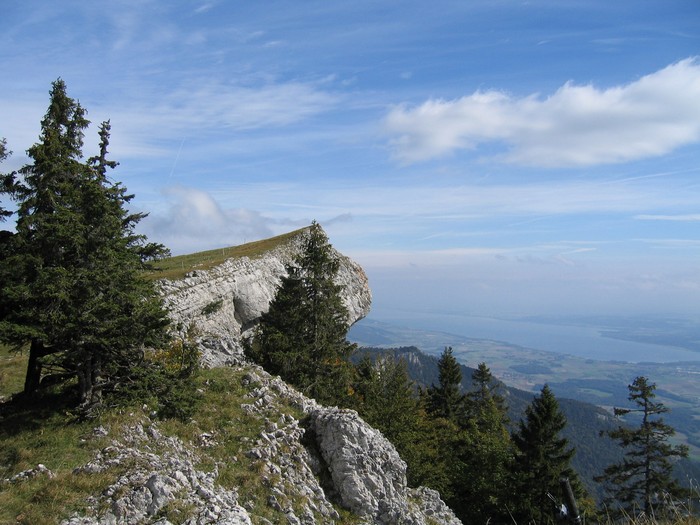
{"x":596,"y":380}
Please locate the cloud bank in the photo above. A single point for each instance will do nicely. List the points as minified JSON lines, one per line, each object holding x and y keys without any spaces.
{"x":576,"y":126}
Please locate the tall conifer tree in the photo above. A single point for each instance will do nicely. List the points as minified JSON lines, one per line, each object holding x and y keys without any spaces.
{"x":485,"y":454}
{"x":302,"y":337}
{"x":5,"y":180}
{"x":446,"y":399}
{"x":542,"y":458}
{"x":385,"y":398}
{"x":72,"y":285}
{"x":643,"y":481}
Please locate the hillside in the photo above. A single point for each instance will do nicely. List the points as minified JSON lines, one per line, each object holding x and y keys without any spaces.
{"x":238,"y":447}
{"x":600,"y":383}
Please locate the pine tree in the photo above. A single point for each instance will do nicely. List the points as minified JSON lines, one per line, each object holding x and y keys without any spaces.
{"x":6,"y":183}
{"x":643,"y":481}
{"x":485,"y":454}
{"x":446,"y":399}
{"x":302,"y":337}
{"x":542,"y":458}
{"x":72,"y":285}
{"x":485,"y":395}
{"x":36,"y":278}
{"x":385,"y":398}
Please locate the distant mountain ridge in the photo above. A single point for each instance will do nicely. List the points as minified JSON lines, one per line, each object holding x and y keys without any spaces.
{"x":598,"y":382}
{"x":586,"y":421}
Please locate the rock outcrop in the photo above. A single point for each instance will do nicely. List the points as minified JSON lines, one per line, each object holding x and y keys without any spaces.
{"x":225,"y":303}
{"x":368,"y":474}
{"x":155,"y":481}
{"x":306,"y":467}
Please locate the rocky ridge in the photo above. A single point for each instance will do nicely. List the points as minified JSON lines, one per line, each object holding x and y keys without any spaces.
{"x":224,"y":303}
{"x":307,"y":467}
{"x":311,"y":461}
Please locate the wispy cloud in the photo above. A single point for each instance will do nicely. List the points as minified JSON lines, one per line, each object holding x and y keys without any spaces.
{"x":673,"y":243}
{"x":691,"y":217}
{"x":194,"y":110}
{"x":575,"y":126}
{"x":204,"y":7}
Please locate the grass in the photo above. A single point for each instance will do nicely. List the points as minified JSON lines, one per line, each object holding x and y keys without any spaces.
{"x":45,"y":431}
{"x":235,"y":432}
{"x":12,"y":369}
{"x":178,"y":267}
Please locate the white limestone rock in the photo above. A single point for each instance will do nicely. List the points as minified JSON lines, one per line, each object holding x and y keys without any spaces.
{"x":225,"y":303}
{"x":368,"y":474}
{"x":155,"y":480}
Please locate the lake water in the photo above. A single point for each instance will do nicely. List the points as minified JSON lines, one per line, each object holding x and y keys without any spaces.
{"x":585,"y":342}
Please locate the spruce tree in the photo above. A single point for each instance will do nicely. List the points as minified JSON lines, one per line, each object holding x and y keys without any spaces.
{"x":302,"y":337}
{"x":36,"y":276}
{"x":485,"y":454}
{"x":5,"y":180}
{"x":385,"y":397}
{"x":485,"y":394}
{"x":446,"y":400}
{"x":6,"y":183}
{"x":72,"y":285}
{"x":542,"y":458}
{"x":643,"y":481}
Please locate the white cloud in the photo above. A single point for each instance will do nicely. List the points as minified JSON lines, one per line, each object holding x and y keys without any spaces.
{"x":576,"y":126}
{"x":195,"y":221}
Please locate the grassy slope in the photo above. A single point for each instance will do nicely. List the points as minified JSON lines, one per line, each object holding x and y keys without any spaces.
{"x":46,"y":432}
{"x":179,"y":266}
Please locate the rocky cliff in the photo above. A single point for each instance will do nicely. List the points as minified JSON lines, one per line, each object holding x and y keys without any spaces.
{"x":225,"y":302}
{"x":268,"y":454}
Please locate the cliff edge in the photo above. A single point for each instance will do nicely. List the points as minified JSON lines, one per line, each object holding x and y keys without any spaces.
{"x":224,"y":303}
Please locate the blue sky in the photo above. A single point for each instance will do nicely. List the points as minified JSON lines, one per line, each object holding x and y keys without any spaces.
{"x":483,"y":157}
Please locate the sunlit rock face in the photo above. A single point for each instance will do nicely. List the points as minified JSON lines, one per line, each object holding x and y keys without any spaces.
{"x":225,"y":303}
{"x":367,"y":473}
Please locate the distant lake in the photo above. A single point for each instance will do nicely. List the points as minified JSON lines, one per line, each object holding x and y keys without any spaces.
{"x":580,"y":341}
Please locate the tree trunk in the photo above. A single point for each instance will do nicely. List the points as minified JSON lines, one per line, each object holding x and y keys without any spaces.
{"x":90,"y":378}
{"x":96,"y":379}
{"x":85,"y":384}
{"x":37,"y":350}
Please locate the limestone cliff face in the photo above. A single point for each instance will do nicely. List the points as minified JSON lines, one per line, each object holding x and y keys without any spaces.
{"x":226,"y":302}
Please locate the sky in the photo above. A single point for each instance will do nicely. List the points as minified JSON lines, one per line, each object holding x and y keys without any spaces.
{"x":487,"y":157}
